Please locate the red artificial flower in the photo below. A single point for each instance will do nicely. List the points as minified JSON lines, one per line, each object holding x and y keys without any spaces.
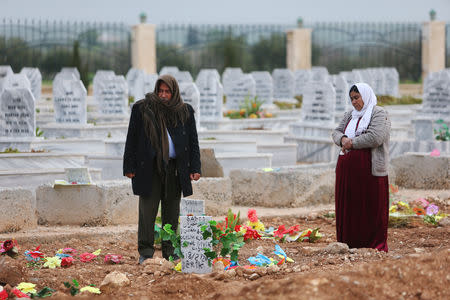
{"x":113,"y":258}
{"x":308,"y":234}
{"x":419,"y":211}
{"x":19,"y":294}
{"x":8,"y":245}
{"x":66,"y":261}
{"x":220,"y":226}
{"x":226,"y":220}
{"x":251,"y":234}
{"x":251,"y":214}
{"x":87,"y":257}
{"x":3,"y":295}
{"x":237,"y":228}
{"x":226,"y":262}
{"x":280,"y":231}
{"x":281,"y":261}
{"x":293,"y":229}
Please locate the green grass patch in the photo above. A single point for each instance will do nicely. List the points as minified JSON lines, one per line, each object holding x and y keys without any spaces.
{"x":390,"y":100}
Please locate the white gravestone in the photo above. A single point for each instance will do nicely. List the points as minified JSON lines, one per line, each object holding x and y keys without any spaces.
{"x":342,"y":99}
{"x":391,"y":80}
{"x":302,"y":78}
{"x":69,"y":101}
{"x":183,"y":77}
{"x":149,"y":82}
{"x":100,"y":76}
{"x":378,"y":81}
{"x":230,"y":75}
{"x":113,"y":97}
{"x":194,"y":260}
{"x":35,"y":78}
{"x":16,"y":81}
{"x":4,"y":71}
{"x":192,"y":207}
{"x":239,"y":90}
{"x":436,"y":100}
{"x":211,"y":98}
{"x":62,"y":76}
{"x":135,"y":83}
{"x":319,"y":102}
{"x":171,"y":70}
{"x":190,"y":94}
{"x":366,"y":77}
{"x":351,"y":77}
{"x":17,"y":113}
{"x":204,"y":74}
{"x":283,"y":84}
{"x":319,"y":74}
{"x":263,"y":86}
{"x":71,"y":70}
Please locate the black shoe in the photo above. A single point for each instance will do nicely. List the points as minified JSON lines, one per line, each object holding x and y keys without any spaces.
{"x":142,"y":258}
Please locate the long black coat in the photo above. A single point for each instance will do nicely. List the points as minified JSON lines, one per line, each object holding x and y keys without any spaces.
{"x":139,"y":155}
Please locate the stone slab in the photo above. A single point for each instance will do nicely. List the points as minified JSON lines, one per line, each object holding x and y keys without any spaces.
{"x":18,"y":208}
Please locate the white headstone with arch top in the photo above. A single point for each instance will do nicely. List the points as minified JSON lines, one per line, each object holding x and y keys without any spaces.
{"x":171,"y":70}
{"x":240,"y":89}
{"x":35,"y":78}
{"x":17,"y":113}
{"x":69,"y":102}
{"x":113,"y":96}
{"x":301,"y":79}
{"x":190,"y":94}
{"x":319,"y":103}
{"x":211,"y":97}
{"x":16,"y":81}
{"x":283,"y":84}
{"x":263,"y":86}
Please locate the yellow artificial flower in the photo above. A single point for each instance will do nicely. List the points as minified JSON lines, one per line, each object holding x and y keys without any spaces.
{"x":178,"y":267}
{"x":401,"y":203}
{"x":60,"y":251}
{"x":256,"y":225}
{"x":97,"y":252}
{"x":242,"y":230}
{"x":90,"y":289}
{"x":52,"y":262}
{"x":27,"y":287}
{"x":393,"y":209}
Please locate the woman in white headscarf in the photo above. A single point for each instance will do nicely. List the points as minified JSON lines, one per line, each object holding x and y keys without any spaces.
{"x":362,"y":188}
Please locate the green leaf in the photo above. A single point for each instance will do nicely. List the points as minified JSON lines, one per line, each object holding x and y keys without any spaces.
{"x":75,"y":283}
{"x":234,"y":255}
{"x":45,"y":292}
{"x":168,"y":228}
{"x":224,"y":251}
{"x":185,"y":244}
{"x":67,"y":284}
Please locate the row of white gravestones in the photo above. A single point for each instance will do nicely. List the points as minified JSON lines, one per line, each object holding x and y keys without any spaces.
{"x":436,"y":97}
{"x":211,"y":95}
{"x":319,"y":103}
{"x":140,"y":83}
{"x":341,"y":88}
{"x":17,"y":113}
{"x":384,"y":81}
{"x":191,"y":218}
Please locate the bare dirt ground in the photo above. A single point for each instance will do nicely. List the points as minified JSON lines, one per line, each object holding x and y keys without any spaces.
{"x":417,"y":266}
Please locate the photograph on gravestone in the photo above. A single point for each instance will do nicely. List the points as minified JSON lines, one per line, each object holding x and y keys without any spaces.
{"x":211,"y":97}
{"x":263,"y":86}
{"x":17,"y":113}
{"x":192,"y":207}
{"x":69,"y":102}
{"x":190,"y":94}
{"x":194,"y":260}
{"x":283,"y":84}
{"x":238,"y":90}
{"x":35,"y":78}
{"x":113,"y":98}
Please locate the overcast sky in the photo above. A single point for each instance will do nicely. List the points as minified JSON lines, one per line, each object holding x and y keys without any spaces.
{"x":225,"y":11}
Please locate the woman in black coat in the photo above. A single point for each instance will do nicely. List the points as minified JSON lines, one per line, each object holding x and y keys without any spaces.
{"x":161,"y":157}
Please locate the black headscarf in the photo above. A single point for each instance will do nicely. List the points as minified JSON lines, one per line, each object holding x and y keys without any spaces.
{"x":158,"y":114}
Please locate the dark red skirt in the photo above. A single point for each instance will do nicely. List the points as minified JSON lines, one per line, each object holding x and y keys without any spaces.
{"x":362,"y":201}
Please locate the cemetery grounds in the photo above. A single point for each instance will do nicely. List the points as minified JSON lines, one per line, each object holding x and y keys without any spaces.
{"x":416,"y":266}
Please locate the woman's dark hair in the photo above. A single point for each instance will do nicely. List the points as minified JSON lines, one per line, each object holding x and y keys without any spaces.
{"x":354,"y":88}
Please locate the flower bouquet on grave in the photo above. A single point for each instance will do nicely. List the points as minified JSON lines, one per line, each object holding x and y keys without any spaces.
{"x":430,"y":212}
{"x":400,"y":214}
{"x":294,"y":233}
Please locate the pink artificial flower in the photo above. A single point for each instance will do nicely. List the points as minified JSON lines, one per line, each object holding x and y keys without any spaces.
{"x":69,"y":251}
{"x":113,"y":258}
{"x":7,"y":245}
{"x":251,"y":214}
{"x":432,"y":210}
{"x":87,"y":257}
{"x":422,"y":202}
{"x":435,"y":153}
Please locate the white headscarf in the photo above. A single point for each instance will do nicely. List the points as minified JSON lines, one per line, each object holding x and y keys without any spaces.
{"x":370,"y":100}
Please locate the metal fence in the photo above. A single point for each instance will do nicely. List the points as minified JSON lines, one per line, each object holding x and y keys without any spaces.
{"x":447,"y":45}
{"x":49,"y":45}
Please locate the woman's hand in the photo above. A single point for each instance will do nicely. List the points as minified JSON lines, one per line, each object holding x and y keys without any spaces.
{"x":195,"y":176}
{"x":347,"y":143}
{"x":130,"y":175}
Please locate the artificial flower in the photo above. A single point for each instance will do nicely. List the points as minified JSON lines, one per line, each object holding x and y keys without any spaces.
{"x":226,"y":262}
{"x":35,"y":255}
{"x":19,"y":294}
{"x":112,"y":258}
{"x":251,"y":214}
{"x":7,"y":245}
{"x":66,"y":261}
{"x":393,"y":188}
{"x":419,"y":211}
{"x":293,"y":229}
{"x":87,"y":257}
{"x":260,"y":260}
{"x":3,"y":294}
{"x":52,"y":262}
{"x":251,"y":234}
{"x":27,"y":287}
{"x":280,"y":231}
{"x":90,"y":289}
{"x":178,"y":267}
{"x":69,"y":251}
{"x":393,"y":209}
{"x":233,"y":265}
{"x":62,"y":255}
{"x":435,"y":152}
{"x":256,"y":225}
{"x":432,"y":209}
{"x":423,"y":202}
{"x":97,"y":252}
